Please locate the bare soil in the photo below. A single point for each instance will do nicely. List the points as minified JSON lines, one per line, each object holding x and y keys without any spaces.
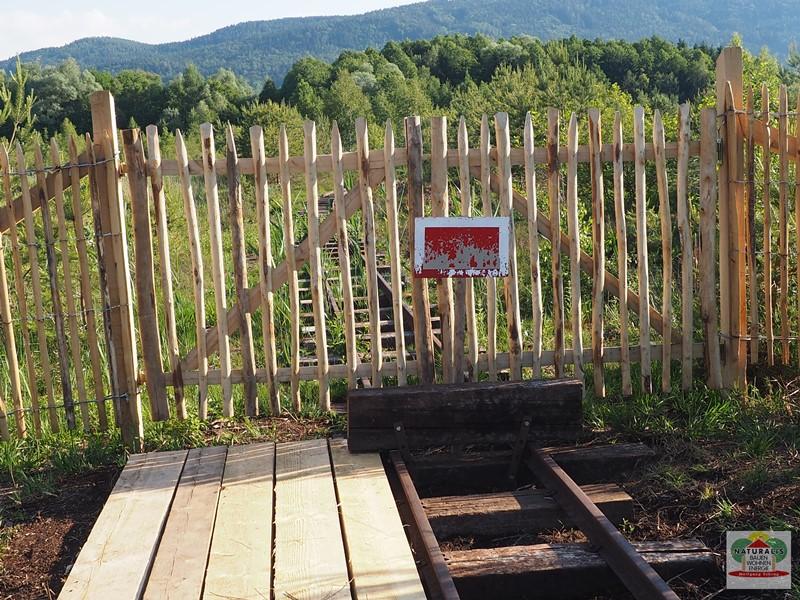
{"x":47,"y":534}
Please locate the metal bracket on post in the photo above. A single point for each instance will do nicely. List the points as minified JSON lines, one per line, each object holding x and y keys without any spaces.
{"x":519,"y":447}
{"x":402,"y":441}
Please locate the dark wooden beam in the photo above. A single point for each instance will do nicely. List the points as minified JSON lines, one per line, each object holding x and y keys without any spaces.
{"x":477,"y":413}
{"x":565,"y":571}
{"x":491,"y":516}
{"x":445,"y":473}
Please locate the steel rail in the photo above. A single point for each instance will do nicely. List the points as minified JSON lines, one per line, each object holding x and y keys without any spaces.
{"x":442,"y":580}
{"x":635,"y":573}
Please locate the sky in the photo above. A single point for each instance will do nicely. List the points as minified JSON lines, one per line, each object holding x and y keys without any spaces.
{"x":41,"y":23}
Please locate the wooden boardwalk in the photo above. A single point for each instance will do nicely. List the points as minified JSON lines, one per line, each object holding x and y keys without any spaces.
{"x":294,"y":521}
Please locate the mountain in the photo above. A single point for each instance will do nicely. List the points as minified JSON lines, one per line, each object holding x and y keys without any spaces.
{"x":259,"y":48}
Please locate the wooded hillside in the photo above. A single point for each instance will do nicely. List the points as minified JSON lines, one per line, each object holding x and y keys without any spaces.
{"x":269,"y":48}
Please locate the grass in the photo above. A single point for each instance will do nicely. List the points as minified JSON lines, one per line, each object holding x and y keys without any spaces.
{"x":726,"y":460}
{"x":32,"y":468}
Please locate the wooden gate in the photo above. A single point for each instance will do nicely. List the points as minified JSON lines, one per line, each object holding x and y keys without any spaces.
{"x":248,"y":278}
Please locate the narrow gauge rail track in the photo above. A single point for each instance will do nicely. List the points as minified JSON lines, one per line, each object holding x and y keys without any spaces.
{"x":453,"y":498}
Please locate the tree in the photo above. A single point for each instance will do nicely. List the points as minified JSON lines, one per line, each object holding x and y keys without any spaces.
{"x":16,"y":113}
{"x":270,"y":116}
{"x":311,"y":70}
{"x":62,"y":92}
{"x":345,"y":102}
{"x":269,"y":91}
{"x":309,"y":102}
{"x":139,"y":95}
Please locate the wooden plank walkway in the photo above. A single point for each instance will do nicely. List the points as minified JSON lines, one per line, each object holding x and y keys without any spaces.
{"x":300,"y":520}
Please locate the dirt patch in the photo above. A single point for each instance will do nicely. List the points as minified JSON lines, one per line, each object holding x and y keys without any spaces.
{"x":46,"y":535}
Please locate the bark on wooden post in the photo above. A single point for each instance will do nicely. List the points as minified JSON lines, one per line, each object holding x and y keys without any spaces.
{"x":708,"y":234}
{"x":240,"y":273}
{"x":145,"y":278}
{"x":423,"y":337}
{"x":510,"y":283}
{"x":55,"y":295}
{"x":599,"y":251}
{"x":733,"y":317}
{"x":116,"y":267}
{"x":165,"y":263}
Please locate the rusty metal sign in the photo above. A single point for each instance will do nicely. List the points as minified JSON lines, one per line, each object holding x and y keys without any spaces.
{"x":461,"y":246}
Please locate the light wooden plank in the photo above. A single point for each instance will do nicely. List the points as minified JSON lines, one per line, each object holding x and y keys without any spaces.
{"x":179,"y":567}
{"x":394,"y":254}
{"x":766,"y":159}
{"x":379,"y":556}
{"x":423,"y":336}
{"x":19,"y":288}
{"x":468,"y":311}
{"x":115,"y":560}
{"x":240,"y":272}
{"x":240,"y":559}
{"x":36,"y":287}
{"x":666,"y":248}
{"x":66,"y":267}
{"x":598,"y":251}
{"x":217,"y":262}
{"x":291,"y":262}
{"x":641,"y":247}
{"x":440,"y":207}
{"x":491,"y":282}
{"x":685,"y":234}
{"x":266,"y":265}
{"x":510,"y":283}
{"x":622,"y":255}
{"x":315,"y":263}
{"x":554,"y":195}
{"x":198,"y":279}
{"x":165,"y":263}
{"x":573,"y":228}
{"x":533,"y":246}
{"x":309,"y":552}
{"x":783,"y":219}
{"x":708,"y":238}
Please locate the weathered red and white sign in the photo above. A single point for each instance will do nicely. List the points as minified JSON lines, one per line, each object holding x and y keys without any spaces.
{"x":461,"y":246}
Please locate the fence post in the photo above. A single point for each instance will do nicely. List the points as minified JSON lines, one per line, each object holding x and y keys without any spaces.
{"x":733,"y":307}
{"x":115,"y":257}
{"x":145,"y":277}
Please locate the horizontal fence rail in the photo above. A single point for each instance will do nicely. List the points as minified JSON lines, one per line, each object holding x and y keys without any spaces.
{"x":244,"y":283}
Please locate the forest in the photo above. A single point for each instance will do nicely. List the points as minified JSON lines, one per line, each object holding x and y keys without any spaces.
{"x":256,"y":49}
{"x":449,"y":75}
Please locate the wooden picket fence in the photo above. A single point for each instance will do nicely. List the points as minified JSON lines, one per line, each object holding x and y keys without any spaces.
{"x":416,"y":331}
